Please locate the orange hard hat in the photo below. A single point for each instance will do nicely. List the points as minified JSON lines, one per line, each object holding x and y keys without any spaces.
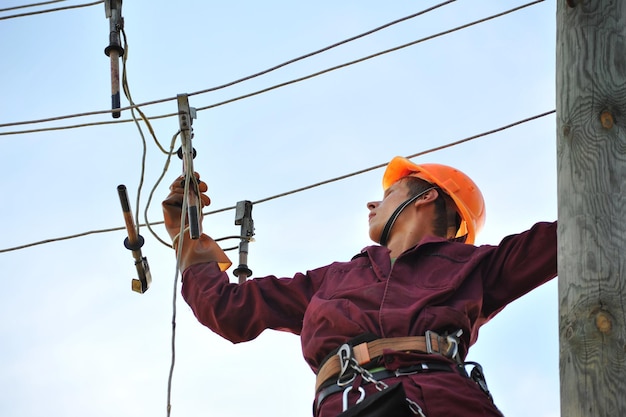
{"x":468,"y":199}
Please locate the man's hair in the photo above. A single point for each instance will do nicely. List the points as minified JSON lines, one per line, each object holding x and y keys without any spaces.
{"x":447,"y":220}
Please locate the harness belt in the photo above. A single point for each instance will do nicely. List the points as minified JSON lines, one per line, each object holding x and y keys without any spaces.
{"x":384,"y":374}
{"x":365,"y":352}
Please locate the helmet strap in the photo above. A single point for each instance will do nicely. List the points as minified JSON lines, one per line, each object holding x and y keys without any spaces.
{"x":384,"y":236}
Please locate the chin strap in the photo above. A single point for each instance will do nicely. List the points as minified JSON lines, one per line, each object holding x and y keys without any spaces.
{"x":384,"y":236}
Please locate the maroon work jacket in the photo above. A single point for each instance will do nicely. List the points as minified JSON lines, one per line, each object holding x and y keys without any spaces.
{"x":437,"y":285}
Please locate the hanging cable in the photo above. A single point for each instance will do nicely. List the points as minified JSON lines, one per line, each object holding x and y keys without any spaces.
{"x":154,"y":187}
{"x":297,"y":190}
{"x":145,"y":119}
{"x":149,"y":103}
{"x":179,"y":252}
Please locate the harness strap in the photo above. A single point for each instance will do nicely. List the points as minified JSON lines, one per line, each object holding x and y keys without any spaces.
{"x":384,"y":374}
{"x":365,"y":352}
{"x":384,"y":236}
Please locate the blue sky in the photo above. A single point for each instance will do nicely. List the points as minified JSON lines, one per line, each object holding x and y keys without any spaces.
{"x":77,"y":341}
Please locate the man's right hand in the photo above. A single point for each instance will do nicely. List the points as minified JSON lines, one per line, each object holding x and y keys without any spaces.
{"x":173,"y":203}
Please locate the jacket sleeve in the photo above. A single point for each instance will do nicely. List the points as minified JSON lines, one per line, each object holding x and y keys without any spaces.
{"x":518,"y":265}
{"x":240,"y":312}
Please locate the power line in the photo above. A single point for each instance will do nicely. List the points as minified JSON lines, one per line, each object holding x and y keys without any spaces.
{"x":229,"y":84}
{"x":356,"y":61}
{"x":30,"y":5}
{"x":297,"y":190}
{"x":387,"y":51}
{"x":58,"y":9}
{"x":319,"y":51}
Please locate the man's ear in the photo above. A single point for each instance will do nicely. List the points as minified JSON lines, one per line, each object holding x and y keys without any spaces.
{"x":428,"y":197}
{"x":431,"y":195}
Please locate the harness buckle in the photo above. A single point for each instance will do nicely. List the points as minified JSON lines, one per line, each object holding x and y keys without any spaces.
{"x":452,"y":340}
{"x":429,"y":343}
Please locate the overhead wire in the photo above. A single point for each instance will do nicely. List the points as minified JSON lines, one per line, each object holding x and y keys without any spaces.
{"x":239,"y":98}
{"x":238,"y":81}
{"x":25,"y":6}
{"x":57,"y":9}
{"x":359,"y":60}
{"x":297,"y":190}
{"x":327,"y":48}
{"x":255,"y":93}
{"x":246,"y":78}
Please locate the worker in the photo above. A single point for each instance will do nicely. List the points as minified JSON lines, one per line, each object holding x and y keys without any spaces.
{"x":388,"y":331}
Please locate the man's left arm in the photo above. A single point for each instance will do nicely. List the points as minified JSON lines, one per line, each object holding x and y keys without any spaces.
{"x":519,"y":264}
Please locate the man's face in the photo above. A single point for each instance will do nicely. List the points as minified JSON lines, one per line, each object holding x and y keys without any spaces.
{"x":381,"y":211}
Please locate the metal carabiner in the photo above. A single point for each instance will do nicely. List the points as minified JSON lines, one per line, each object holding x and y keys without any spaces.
{"x":345,"y":396}
{"x":345,"y":358}
{"x":453,"y":345}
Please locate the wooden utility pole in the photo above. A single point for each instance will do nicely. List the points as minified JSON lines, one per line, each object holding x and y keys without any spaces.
{"x":591,"y":152}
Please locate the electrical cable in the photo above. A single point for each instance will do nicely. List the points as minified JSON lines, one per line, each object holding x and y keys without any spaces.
{"x":51,"y":129}
{"x":387,"y":51}
{"x":130,"y":99}
{"x":144,"y":146}
{"x":179,"y":252}
{"x":30,"y":5}
{"x":356,"y":61}
{"x":154,"y":187}
{"x":169,"y":153}
{"x":325,"y":49}
{"x":249,"y":77}
{"x":297,"y":190}
{"x":58,"y":9}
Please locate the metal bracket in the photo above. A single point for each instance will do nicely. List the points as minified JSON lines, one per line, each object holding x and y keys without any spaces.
{"x":243,"y":217}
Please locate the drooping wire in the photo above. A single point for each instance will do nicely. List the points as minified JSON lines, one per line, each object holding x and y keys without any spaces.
{"x":134,"y":106}
{"x":144,"y":147}
{"x":157,"y":183}
{"x":58,"y":9}
{"x":149,"y":103}
{"x":181,"y":239}
{"x":297,"y":190}
{"x":145,"y":119}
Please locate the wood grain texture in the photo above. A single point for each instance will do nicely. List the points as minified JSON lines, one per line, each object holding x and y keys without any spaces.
{"x":591,"y":152}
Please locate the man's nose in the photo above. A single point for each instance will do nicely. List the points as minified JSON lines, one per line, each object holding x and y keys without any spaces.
{"x":373,"y":204}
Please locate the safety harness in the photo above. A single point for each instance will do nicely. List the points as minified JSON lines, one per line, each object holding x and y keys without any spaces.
{"x":339,"y":371}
